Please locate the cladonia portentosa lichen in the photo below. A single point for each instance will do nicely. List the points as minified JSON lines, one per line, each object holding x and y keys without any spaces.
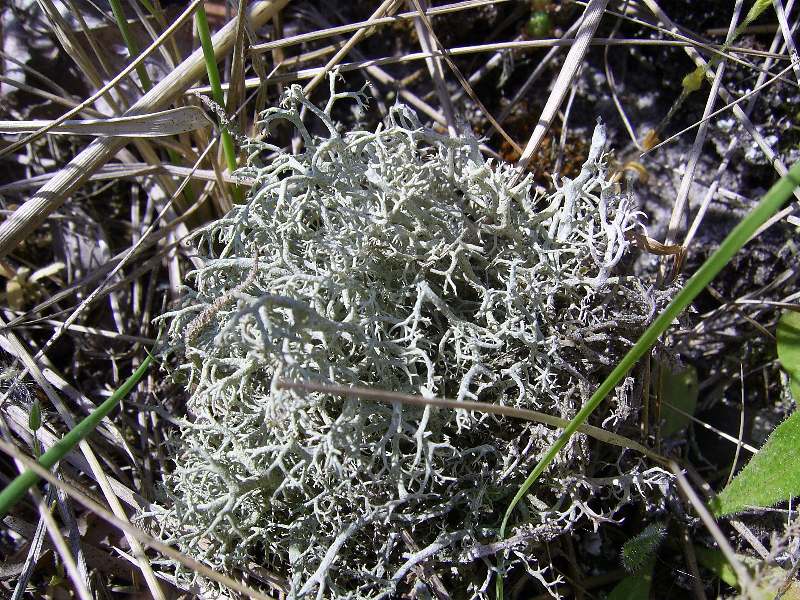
{"x":399,"y":259}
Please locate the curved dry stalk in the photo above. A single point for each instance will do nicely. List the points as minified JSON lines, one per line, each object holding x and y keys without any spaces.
{"x":389,"y":397}
{"x":53,"y":194}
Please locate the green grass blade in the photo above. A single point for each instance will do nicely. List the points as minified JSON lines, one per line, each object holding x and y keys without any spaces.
{"x":147,"y":84}
{"x":17,"y":488}
{"x":216,"y":87}
{"x":130,"y":42}
{"x":768,"y":206}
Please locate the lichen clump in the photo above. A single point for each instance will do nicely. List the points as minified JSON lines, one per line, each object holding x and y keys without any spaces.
{"x":398,"y":259}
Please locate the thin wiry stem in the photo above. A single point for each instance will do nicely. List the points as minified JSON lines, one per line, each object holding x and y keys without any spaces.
{"x":390,"y":397}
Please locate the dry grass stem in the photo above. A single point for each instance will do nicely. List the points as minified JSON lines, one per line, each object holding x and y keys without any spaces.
{"x":68,"y":179}
{"x":573,"y":61}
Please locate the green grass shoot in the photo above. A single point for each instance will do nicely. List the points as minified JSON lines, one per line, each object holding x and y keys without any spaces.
{"x":204,"y":34}
{"x":15,"y":490}
{"x":130,"y":42}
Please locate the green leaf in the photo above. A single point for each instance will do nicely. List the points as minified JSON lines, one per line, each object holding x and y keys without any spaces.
{"x":768,"y":578}
{"x":678,"y":389}
{"x":771,"y":476}
{"x":788,"y":335}
{"x":35,"y":416}
{"x":634,"y":587}
{"x":640,"y":550}
{"x":694,"y":80}
{"x":714,"y":560}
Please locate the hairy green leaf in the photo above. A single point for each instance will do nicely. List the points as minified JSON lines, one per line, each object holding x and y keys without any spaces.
{"x":634,"y":587}
{"x":771,"y":476}
{"x":769,"y":579}
{"x":641,"y":549}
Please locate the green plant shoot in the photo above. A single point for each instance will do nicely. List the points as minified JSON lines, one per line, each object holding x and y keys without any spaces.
{"x":17,"y":488}
{"x":204,"y":34}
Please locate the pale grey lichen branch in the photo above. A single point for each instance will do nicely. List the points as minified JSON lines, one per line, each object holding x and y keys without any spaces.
{"x":401,"y":259}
